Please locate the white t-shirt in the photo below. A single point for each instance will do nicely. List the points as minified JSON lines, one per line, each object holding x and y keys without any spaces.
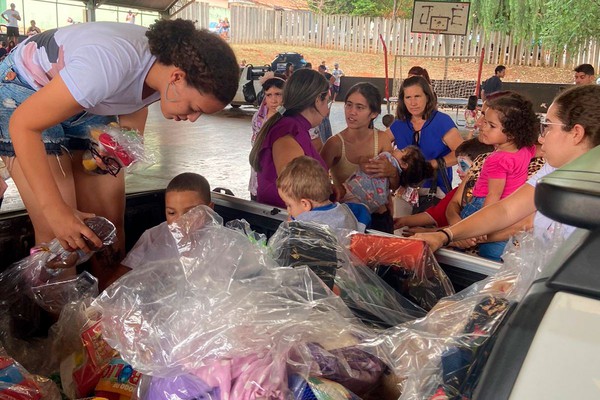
{"x":12,"y":17}
{"x":103,"y":64}
{"x":337,"y":74}
{"x":544,"y":227}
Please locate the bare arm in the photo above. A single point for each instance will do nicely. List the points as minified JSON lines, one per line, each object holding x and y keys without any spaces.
{"x":332,"y":151}
{"x":135,"y":120}
{"x":51,"y":105}
{"x":285,"y":149}
{"x":523,"y":225}
{"x":490,"y":219}
{"x":495,"y":189}
{"x":420,"y":219}
{"x":452,"y":139}
{"x":454,"y":207}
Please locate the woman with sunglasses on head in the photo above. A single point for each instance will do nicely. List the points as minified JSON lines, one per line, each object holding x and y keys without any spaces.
{"x":358,"y":146}
{"x":419,"y":123}
{"x":285,"y":135}
{"x":58,"y":83}
{"x":571,"y":129}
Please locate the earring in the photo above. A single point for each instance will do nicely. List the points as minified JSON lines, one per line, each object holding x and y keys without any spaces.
{"x":174,"y":99}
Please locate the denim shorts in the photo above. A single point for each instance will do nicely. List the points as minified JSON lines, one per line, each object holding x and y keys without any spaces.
{"x":72,"y":134}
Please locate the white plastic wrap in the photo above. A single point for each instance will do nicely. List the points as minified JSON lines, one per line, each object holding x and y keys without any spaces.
{"x":222,"y":301}
{"x":444,"y":353}
{"x":299,"y":243}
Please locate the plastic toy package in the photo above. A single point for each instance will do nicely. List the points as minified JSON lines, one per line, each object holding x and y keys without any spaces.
{"x":407,"y":265}
{"x":443,"y":354}
{"x":225,"y":318}
{"x":373,"y":301}
{"x":18,"y":384}
{"x":113,"y":148}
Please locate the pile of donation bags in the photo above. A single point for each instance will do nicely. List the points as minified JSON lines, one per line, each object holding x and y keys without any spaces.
{"x":220,"y":313}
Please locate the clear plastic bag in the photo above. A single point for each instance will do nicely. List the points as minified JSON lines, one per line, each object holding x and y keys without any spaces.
{"x":112,"y":148}
{"x":299,"y":243}
{"x":444,"y":353}
{"x":18,"y":384}
{"x":407,"y":265}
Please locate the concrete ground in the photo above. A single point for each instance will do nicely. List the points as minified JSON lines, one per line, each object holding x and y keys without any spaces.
{"x":216,"y":146}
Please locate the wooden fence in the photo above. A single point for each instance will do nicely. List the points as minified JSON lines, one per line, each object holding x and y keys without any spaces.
{"x":361,"y":34}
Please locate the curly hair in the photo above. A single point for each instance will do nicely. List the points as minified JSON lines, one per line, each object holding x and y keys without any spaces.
{"x":207,"y":60}
{"x":519,"y":122}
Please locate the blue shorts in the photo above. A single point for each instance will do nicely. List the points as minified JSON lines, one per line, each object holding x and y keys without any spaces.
{"x":491,"y":250}
{"x":72,"y":134}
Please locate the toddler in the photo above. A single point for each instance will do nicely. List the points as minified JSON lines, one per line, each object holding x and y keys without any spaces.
{"x":305,"y":188}
{"x":374,"y":192}
{"x":511,"y":126}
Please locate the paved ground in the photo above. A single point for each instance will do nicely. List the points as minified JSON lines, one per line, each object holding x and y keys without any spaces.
{"x":216,"y":146}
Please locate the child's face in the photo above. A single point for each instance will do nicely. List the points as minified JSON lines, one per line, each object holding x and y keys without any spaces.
{"x":491,"y":130}
{"x":463,"y":166}
{"x":178,"y":203}
{"x":399,"y":155}
{"x":295,"y":207}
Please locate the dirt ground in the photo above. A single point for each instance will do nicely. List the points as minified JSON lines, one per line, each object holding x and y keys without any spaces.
{"x":372,"y":65}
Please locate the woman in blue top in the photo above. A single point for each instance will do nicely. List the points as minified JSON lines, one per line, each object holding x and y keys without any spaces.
{"x":418,"y":122}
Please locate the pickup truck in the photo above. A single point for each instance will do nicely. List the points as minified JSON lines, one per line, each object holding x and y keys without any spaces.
{"x":547,"y":347}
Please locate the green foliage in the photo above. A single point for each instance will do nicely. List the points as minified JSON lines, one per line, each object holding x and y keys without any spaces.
{"x":570,"y":23}
{"x":370,"y":8}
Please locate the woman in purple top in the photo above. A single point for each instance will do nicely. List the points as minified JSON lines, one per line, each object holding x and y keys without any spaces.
{"x":285,"y":136}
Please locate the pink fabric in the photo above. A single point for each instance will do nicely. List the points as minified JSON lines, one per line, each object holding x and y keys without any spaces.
{"x":511,"y":167}
{"x":247,"y":378}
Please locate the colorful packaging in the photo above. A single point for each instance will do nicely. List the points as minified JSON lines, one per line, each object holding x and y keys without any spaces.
{"x":119,"y":381}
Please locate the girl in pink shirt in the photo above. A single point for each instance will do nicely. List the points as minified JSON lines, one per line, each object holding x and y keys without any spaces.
{"x":511,"y":125}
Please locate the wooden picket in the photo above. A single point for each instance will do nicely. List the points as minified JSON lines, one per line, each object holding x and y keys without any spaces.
{"x":250,"y":24}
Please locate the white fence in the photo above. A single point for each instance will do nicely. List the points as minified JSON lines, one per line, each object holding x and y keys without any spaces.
{"x":361,"y":34}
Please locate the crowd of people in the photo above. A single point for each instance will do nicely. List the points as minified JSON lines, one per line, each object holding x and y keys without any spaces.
{"x":356,"y":179}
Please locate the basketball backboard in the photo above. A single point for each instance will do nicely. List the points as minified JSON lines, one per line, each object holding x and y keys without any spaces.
{"x":440,"y":17}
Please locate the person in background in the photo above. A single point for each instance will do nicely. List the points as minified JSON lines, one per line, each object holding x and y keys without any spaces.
{"x":130,"y":17}
{"x":584,"y":74}
{"x":285,"y":135}
{"x":325,"y":131}
{"x":493,"y":83}
{"x":184,"y":192}
{"x":337,"y":74}
{"x":33,"y":29}
{"x":3,"y":50}
{"x":273,"y":89}
{"x":419,"y":71}
{"x":190,"y":72}
{"x":11,"y":46}
{"x":289,"y":70}
{"x":12,"y":17}
{"x":571,"y":129}
{"x":324,"y":65}
{"x":305,"y":189}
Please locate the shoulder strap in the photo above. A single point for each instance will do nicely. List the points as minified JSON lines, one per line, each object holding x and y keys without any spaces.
{"x":375,"y":142}
{"x":442,"y":168}
{"x":343,"y":145}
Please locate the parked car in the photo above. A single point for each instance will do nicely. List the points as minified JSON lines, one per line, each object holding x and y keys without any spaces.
{"x":249,"y":73}
{"x":279,"y":63}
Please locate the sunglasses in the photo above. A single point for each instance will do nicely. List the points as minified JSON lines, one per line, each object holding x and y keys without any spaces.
{"x":113,"y":167}
{"x":545,"y":125}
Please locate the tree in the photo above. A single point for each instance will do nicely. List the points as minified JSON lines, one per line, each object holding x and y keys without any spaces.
{"x":570,"y":23}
